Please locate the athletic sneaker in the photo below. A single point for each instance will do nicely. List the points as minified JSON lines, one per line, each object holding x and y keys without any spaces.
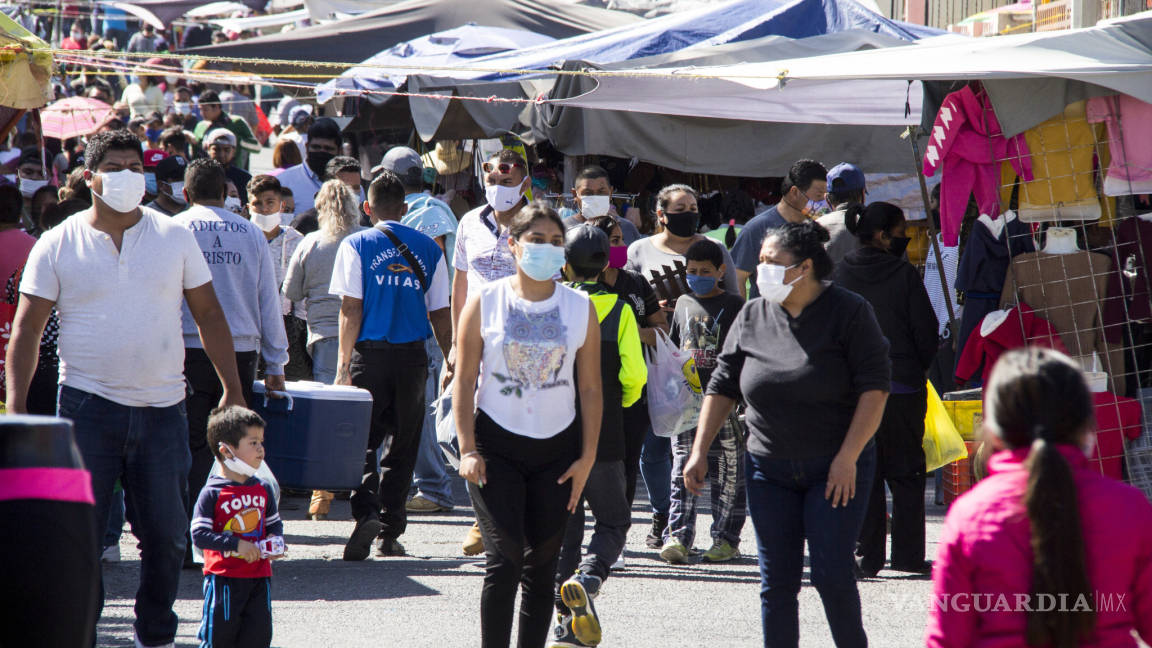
{"x":360,"y":543}
{"x":655,"y":538}
{"x":721,"y":551}
{"x":619,"y":565}
{"x":421,"y":504}
{"x":577,"y":593}
{"x":674,"y":552}
{"x":562,"y":635}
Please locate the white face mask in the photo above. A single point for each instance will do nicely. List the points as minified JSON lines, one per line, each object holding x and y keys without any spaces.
{"x":176,"y":192}
{"x":770,"y":282}
{"x":232,"y":203}
{"x":234,"y":463}
{"x":182,"y":107}
{"x":266,"y":222}
{"x":286,"y":218}
{"x":503,"y":198}
{"x":595,"y":206}
{"x":28,"y":186}
{"x":123,"y":190}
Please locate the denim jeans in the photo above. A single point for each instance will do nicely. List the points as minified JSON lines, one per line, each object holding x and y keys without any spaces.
{"x":147,"y":449}
{"x":787,"y":505}
{"x":325,"y":354}
{"x":115,"y":526}
{"x":656,"y":469}
{"x":431,"y":477}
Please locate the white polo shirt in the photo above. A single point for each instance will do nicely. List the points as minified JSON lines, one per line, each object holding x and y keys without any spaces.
{"x":120,"y":332}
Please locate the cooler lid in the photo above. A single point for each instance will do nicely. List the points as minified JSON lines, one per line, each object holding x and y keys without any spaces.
{"x":310,"y":389}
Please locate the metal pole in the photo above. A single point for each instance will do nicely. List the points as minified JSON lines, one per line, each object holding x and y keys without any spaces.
{"x":913,"y":133}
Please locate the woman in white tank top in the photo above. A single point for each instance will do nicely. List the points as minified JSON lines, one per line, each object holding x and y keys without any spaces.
{"x":524,"y":451}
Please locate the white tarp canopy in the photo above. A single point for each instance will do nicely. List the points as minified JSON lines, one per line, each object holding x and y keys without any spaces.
{"x":1029,"y":77}
{"x":261,"y":22}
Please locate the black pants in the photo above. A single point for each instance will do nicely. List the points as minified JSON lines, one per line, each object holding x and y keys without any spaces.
{"x":44,"y":387}
{"x":900,"y":465}
{"x":605,"y":495}
{"x":204,"y":396}
{"x":522,"y":513}
{"x":395,"y":375}
{"x":636,"y":424}
{"x":237,"y":612}
{"x":53,"y":601}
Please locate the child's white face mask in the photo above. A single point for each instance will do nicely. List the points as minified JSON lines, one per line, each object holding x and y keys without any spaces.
{"x":234,"y":463}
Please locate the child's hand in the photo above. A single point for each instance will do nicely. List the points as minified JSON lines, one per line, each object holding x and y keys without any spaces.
{"x":248,"y":551}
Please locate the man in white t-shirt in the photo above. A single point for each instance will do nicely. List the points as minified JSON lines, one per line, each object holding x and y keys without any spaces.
{"x":117,"y":275}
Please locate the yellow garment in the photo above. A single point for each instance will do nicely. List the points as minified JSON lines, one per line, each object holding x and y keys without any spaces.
{"x":1064,"y":185}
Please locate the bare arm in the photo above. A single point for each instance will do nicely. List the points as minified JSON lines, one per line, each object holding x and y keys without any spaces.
{"x":441,"y":320}
{"x":842,"y":474}
{"x":351,"y":316}
{"x":459,"y":299}
{"x":716,"y":408}
{"x":655,"y":320}
{"x":591,"y":408}
{"x":32,"y":315}
{"x":469,"y":349}
{"x":217,"y":340}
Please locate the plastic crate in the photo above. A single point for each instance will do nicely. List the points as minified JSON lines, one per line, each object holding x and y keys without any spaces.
{"x":958,"y":477}
{"x":968,"y":415}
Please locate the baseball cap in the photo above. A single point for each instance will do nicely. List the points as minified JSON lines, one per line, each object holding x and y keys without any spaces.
{"x":171,"y":169}
{"x":405,"y":163}
{"x":217,"y":134}
{"x":586,"y":249}
{"x":152,"y":157}
{"x":299,"y":114}
{"x":845,"y":177}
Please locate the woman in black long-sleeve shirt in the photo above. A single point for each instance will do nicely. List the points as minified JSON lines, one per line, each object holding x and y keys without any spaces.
{"x":877,"y":272}
{"x":810,"y":361}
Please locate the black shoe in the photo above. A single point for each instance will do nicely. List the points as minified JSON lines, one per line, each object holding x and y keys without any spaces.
{"x":655,"y":539}
{"x":861,"y":572}
{"x":389,"y":547}
{"x":924,"y":567}
{"x":360,"y":544}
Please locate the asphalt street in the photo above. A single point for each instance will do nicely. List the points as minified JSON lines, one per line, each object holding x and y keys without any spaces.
{"x":431,"y":597}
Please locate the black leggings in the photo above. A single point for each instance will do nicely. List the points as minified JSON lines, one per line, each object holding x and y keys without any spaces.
{"x":522,"y":513}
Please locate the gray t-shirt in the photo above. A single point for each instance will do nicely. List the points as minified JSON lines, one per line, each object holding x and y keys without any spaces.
{"x":627,"y":229}
{"x":643,"y":256}
{"x":746,"y":250}
{"x":308,"y":278}
{"x":842,"y":242}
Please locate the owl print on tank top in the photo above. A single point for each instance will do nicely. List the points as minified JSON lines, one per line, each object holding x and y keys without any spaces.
{"x":535,"y":348}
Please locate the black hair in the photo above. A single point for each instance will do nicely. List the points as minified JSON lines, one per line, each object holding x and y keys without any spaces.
{"x":386,"y":193}
{"x":75,"y":187}
{"x":285,"y":192}
{"x":605,"y":224}
{"x":533,"y":212}
{"x":173,"y":136}
{"x":593,"y":172}
{"x":589,"y":270}
{"x":261,"y":183}
{"x":205,"y":180}
{"x":56,"y":214}
{"x":50,"y":190}
{"x":864,"y":222}
{"x":325,"y":128}
{"x":508,"y":156}
{"x":802,"y":174}
{"x":101,"y":143}
{"x":230,"y":425}
{"x":665,"y":195}
{"x":836,"y":198}
{"x":341,"y":164}
{"x":209,"y":97}
{"x":705,"y":250}
{"x":1037,"y":398}
{"x":805,"y":241}
{"x":11,"y":204}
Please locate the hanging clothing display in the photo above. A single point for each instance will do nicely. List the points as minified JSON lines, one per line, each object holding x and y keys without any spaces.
{"x":1064,"y":180}
{"x":936,"y":291}
{"x":984,"y":265}
{"x":1117,"y":418}
{"x":1002,"y":331}
{"x":966,"y":143}
{"x":1129,"y":122}
{"x":1129,"y":294}
{"x":1069,"y":291}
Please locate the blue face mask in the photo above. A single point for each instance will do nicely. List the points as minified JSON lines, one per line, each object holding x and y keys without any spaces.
{"x":150,"y":183}
{"x":152,"y":134}
{"x":701,"y":285}
{"x":541,"y":261}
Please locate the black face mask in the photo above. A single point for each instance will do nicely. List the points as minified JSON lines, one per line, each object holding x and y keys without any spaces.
{"x":899,"y":245}
{"x":682,"y":224}
{"x":317,"y":161}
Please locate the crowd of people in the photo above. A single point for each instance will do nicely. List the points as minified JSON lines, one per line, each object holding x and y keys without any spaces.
{"x":156,"y":280}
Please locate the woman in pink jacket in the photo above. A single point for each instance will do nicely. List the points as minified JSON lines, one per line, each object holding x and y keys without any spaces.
{"x":1045,"y":551}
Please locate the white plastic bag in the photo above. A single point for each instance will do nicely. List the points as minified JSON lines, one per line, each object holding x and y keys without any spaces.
{"x":446,"y":427}
{"x":674,"y":396}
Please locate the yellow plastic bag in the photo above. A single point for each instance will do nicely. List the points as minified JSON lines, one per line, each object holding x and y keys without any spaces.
{"x":942,"y":442}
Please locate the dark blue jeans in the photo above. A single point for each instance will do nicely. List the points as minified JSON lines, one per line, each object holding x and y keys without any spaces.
{"x":147,"y":449}
{"x":787,"y":505}
{"x":656,"y":469}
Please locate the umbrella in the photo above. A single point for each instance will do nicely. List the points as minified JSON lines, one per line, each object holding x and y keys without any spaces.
{"x":74,"y":116}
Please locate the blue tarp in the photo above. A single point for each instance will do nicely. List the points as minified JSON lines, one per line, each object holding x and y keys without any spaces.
{"x":730,"y":22}
{"x":453,"y":47}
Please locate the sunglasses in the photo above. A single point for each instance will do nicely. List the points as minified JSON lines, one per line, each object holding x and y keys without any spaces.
{"x":502,"y":167}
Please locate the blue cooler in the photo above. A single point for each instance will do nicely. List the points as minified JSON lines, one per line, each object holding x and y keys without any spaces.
{"x":316,"y":438}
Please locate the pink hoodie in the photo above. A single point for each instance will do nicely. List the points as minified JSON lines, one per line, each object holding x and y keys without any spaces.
{"x":985,"y":559}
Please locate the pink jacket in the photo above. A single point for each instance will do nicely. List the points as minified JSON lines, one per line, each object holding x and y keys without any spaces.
{"x":967,"y":144}
{"x":985,"y":559}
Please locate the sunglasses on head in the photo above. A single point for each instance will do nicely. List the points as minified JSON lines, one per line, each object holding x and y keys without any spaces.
{"x":502,"y":167}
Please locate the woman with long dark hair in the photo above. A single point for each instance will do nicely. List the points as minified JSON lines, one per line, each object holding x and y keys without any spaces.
{"x":876,"y":270}
{"x":1045,"y":551}
{"x":524,"y":451}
